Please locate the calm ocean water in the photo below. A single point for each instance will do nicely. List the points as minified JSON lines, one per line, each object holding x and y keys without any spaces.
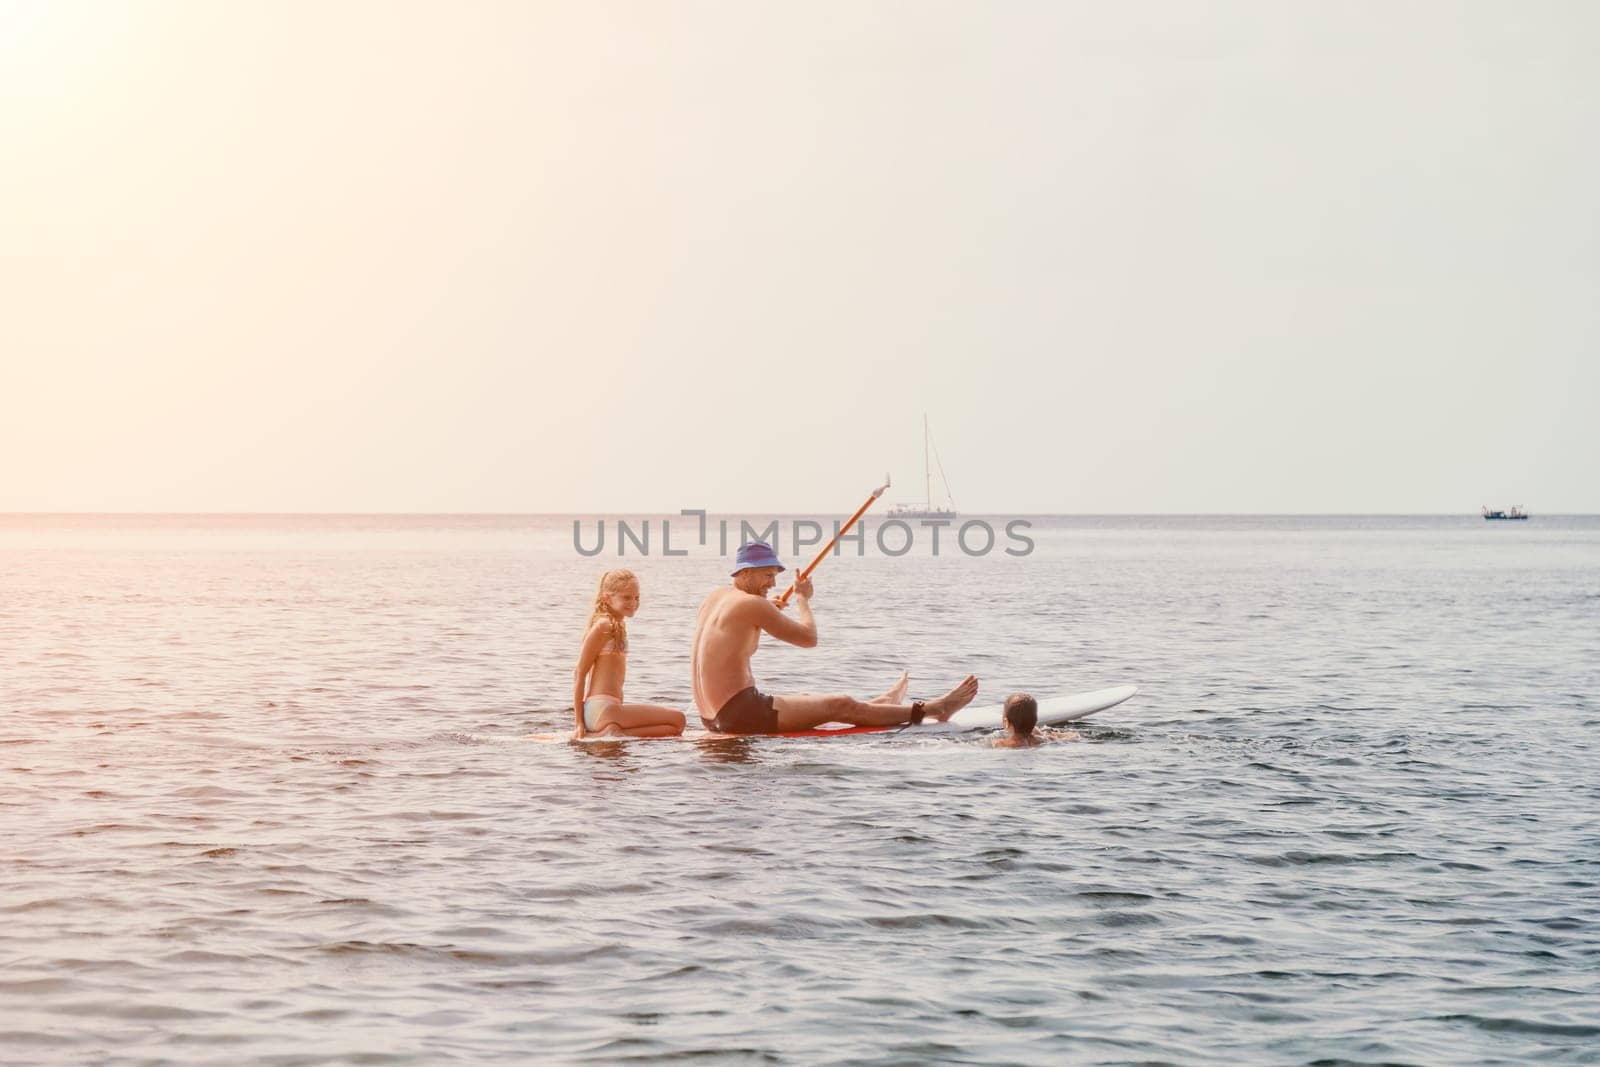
{"x":265,"y":797}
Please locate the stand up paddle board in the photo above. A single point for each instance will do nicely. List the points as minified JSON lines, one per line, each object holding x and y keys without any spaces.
{"x":1052,"y":712}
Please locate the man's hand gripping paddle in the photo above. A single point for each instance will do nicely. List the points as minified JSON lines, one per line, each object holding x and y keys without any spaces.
{"x":783,"y":601}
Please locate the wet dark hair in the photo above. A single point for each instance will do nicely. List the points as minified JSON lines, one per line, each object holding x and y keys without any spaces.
{"x":1022,"y":712}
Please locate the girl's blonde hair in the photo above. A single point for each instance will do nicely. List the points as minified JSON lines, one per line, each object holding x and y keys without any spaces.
{"x":612,"y":582}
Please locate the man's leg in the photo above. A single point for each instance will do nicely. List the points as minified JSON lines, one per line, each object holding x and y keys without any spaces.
{"x":896,"y":694}
{"x":807,"y":711}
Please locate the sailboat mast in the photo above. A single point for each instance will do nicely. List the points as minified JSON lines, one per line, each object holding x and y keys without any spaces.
{"x":927,"y":478}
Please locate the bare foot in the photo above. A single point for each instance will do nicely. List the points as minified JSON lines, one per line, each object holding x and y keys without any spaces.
{"x":942,"y":708}
{"x":896,"y":693}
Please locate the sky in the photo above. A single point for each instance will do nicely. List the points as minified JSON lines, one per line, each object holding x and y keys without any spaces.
{"x":628,"y":258}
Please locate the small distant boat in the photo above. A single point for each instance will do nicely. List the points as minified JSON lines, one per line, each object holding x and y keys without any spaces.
{"x":926,"y":509}
{"x":1513,"y":515}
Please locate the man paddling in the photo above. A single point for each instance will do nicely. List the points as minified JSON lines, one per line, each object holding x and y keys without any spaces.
{"x":727,"y":631}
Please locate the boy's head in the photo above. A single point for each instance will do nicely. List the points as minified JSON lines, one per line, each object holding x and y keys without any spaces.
{"x":1022,"y":713}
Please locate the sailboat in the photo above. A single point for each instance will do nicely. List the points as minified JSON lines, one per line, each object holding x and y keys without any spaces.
{"x":926,"y":509}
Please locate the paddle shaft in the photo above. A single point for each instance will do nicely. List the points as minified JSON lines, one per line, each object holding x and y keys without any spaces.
{"x":862,"y":510}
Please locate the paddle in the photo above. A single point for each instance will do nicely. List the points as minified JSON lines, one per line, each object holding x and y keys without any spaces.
{"x":783,"y":601}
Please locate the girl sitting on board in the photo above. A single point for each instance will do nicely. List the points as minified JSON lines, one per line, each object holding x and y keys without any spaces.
{"x":603,"y":663}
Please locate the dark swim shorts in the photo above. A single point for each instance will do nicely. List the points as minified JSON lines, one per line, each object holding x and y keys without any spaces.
{"x":749,"y":711}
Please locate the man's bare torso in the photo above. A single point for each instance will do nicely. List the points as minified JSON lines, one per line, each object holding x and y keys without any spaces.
{"x":725,"y":637}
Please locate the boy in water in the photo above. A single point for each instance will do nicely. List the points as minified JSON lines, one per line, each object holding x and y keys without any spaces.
{"x":1022,"y":718}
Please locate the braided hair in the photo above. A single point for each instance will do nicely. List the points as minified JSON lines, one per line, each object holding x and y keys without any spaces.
{"x":612,"y":581}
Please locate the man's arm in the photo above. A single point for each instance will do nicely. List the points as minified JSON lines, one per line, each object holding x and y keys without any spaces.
{"x":800,"y":631}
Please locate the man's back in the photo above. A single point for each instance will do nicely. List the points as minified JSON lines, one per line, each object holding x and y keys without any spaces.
{"x":725,"y":638}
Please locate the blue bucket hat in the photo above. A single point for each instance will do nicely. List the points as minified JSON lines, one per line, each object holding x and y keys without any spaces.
{"x":756,"y":554}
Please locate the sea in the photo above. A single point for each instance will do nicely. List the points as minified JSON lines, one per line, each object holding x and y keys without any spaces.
{"x":268,"y":795}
